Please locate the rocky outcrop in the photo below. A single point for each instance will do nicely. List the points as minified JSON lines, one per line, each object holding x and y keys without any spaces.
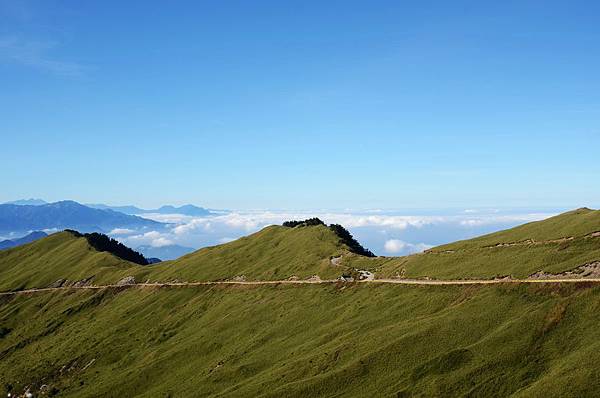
{"x":58,"y":283}
{"x":590,"y":270}
{"x":128,"y":280}
{"x":83,"y":282}
{"x":336,"y":261}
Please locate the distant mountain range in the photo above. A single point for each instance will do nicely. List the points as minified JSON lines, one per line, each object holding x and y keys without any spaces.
{"x":188,"y":210}
{"x":169,"y":252}
{"x":35,"y":235}
{"x":67,"y":214}
{"x":27,"y":202}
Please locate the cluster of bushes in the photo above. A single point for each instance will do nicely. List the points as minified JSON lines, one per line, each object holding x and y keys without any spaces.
{"x":340,"y":231}
{"x":104,"y":243}
{"x":304,"y":223}
{"x":349,"y":241}
{"x":4,"y":332}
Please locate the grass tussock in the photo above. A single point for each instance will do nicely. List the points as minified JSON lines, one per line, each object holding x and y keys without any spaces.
{"x":554,"y":317}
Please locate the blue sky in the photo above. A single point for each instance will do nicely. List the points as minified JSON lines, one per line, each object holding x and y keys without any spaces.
{"x":301,"y":105}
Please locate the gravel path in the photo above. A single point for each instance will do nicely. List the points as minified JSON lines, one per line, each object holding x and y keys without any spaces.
{"x":428,"y":282}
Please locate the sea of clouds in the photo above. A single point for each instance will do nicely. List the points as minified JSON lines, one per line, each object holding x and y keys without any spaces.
{"x":389,"y":233}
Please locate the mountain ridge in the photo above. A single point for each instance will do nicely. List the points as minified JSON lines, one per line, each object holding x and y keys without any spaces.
{"x":188,"y":209}
{"x":278,"y":253}
{"x":555,"y":245}
{"x":59,"y":256}
{"x":34,"y":235}
{"x":66,"y":214}
{"x":29,"y":202}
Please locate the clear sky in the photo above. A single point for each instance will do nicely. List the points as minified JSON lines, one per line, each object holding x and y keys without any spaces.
{"x":284,"y":104}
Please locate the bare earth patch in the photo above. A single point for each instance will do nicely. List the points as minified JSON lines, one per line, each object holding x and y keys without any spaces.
{"x":591,"y":270}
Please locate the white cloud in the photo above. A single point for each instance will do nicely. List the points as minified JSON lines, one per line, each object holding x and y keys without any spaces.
{"x":394,"y":246}
{"x":192,"y":225}
{"x":251,"y":221}
{"x":391,"y":221}
{"x":167,"y":218}
{"x":381,"y":232}
{"x":472,"y":223}
{"x":499,"y":219}
{"x":254,"y":220}
{"x":121,"y":231}
{"x":160,"y":242}
{"x":152,"y":238}
{"x":397,"y":246}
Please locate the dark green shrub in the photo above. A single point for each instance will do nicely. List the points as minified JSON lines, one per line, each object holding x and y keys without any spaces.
{"x":103,"y":243}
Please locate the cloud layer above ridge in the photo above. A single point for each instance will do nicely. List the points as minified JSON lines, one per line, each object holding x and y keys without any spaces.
{"x":385,"y":233}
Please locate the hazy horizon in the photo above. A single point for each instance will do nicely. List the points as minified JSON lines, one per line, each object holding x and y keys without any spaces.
{"x":388,"y":232}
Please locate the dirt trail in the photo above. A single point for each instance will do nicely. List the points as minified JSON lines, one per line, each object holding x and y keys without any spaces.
{"x":526,"y":242}
{"x":428,"y":282}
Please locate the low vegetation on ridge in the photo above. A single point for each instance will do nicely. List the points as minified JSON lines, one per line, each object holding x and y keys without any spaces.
{"x":103,"y":243}
{"x":345,"y":236}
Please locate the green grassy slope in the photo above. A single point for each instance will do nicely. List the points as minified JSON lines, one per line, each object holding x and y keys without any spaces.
{"x":575,"y":223}
{"x":58,"y":256}
{"x":306,"y":340}
{"x":310,"y":340}
{"x":554,"y":245}
{"x":273,"y":253}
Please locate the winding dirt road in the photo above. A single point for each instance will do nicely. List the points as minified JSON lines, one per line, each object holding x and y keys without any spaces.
{"x":427,"y":282}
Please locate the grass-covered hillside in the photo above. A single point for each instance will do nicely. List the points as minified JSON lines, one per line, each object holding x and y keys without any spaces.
{"x":554,"y":245}
{"x":309,"y":340}
{"x":329,"y":340}
{"x":576,"y":223}
{"x":59,"y":256}
{"x":273,"y":253}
